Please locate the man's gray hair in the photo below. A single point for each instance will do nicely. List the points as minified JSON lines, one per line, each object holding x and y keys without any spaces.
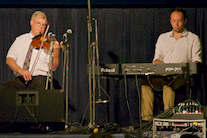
{"x":40,"y":14}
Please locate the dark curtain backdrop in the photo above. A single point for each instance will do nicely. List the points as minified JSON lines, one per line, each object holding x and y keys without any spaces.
{"x":125,"y":35}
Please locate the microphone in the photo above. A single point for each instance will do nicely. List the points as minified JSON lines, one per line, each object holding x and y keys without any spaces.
{"x":101,"y":101}
{"x":65,"y":37}
{"x":51,"y":35}
{"x":69,"y":31}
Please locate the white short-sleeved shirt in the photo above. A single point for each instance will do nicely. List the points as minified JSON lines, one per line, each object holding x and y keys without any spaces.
{"x":186,"y":49}
{"x":18,"y":52}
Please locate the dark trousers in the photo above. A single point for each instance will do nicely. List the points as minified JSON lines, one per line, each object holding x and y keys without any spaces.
{"x":37,"y":83}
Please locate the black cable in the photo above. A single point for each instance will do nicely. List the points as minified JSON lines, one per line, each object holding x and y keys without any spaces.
{"x":16,"y":112}
{"x":139,"y":98}
{"x":127,"y":100}
{"x":153,"y":87}
{"x":84,"y":114}
{"x":31,"y":113}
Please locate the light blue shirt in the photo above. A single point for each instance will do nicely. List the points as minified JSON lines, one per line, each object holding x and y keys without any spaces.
{"x":184,"y":50}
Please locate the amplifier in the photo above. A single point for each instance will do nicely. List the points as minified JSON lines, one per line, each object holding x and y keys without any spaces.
{"x":32,"y":106}
{"x":175,"y":128}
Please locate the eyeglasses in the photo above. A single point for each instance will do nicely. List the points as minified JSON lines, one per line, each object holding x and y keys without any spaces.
{"x":40,"y":24}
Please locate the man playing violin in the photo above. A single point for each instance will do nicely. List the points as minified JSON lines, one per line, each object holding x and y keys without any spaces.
{"x":15,"y":58}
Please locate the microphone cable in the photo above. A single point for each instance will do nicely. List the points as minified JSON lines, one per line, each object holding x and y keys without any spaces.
{"x":16,"y":112}
{"x":127,"y":100}
{"x":139,"y":98}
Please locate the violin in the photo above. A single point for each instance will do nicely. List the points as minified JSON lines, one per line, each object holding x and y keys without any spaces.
{"x":37,"y":41}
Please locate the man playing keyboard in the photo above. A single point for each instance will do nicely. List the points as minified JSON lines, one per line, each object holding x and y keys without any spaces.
{"x":176,"y":46}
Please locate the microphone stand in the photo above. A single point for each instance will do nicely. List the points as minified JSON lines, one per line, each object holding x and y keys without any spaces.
{"x":65,"y":77}
{"x":91,"y":105}
{"x":50,"y":70}
{"x":94,"y":81}
{"x":97,"y":58}
{"x":93,"y":56}
{"x":92,"y":49}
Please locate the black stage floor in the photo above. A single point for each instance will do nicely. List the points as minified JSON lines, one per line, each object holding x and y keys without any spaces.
{"x":25,"y":131}
{"x":52,"y":135}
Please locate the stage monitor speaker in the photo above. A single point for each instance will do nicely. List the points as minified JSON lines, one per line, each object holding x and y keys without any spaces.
{"x":32,"y":106}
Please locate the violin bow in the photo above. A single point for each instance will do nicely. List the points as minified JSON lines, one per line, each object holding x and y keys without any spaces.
{"x":38,"y":54}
